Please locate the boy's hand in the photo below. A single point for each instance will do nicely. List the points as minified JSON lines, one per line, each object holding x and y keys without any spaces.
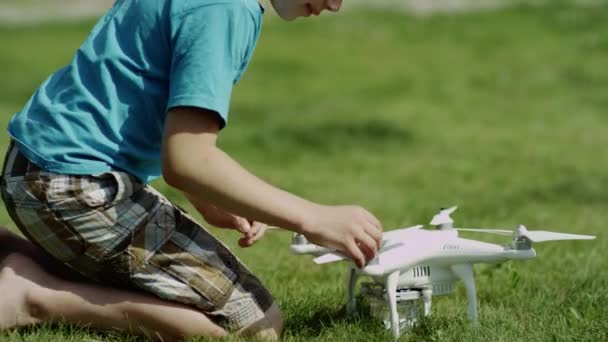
{"x":253,"y":234}
{"x":351,"y":230}
{"x":252,"y":230}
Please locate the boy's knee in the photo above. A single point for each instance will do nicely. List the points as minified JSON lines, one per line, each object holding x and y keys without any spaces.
{"x":268,"y":328}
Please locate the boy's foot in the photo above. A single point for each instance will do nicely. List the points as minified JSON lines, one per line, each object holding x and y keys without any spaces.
{"x":15,"y":290}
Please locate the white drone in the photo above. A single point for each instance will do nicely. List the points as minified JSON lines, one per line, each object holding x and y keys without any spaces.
{"x":414,"y":263}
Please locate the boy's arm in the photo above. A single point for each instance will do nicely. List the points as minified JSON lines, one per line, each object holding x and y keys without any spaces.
{"x":194,"y":164}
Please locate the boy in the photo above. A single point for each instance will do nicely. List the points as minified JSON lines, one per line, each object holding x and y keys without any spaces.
{"x":146,"y":94}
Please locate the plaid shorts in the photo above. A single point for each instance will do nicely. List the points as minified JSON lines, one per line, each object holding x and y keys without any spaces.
{"x":117,"y":231}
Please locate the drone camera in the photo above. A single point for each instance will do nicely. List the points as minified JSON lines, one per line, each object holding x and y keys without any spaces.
{"x":407,"y":305}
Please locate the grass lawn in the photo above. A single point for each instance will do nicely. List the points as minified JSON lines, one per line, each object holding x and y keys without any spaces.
{"x":502,"y":113}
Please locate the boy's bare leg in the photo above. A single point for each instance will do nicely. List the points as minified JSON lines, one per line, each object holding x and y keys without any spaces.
{"x":99,"y":307}
{"x":38,"y":296}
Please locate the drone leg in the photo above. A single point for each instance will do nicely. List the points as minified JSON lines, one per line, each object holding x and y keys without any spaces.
{"x":351,"y":301}
{"x":391,"y":291}
{"x":465,"y":273}
{"x":427,"y":297}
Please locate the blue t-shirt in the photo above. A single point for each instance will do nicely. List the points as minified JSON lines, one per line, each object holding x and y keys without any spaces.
{"x":106,"y":110}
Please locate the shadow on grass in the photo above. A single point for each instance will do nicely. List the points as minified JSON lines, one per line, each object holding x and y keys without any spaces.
{"x":326,"y":320}
{"x":311,"y":324}
{"x":439,"y":329}
{"x":306,"y":323}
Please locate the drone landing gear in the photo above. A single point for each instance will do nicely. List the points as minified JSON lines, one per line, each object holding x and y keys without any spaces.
{"x":351,"y":302}
{"x":465,"y":273}
{"x":391,"y":292}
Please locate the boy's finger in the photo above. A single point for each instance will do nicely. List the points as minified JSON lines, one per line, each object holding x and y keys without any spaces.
{"x":260,"y":229}
{"x":252,"y":231}
{"x":255,"y":228}
{"x":374,"y":221}
{"x":355,"y":253}
{"x":245,"y":242}
{"x":242,"y":225}
{"x":374,"y":234}
{"x":256,"y":232}
{"x":368,"y":246}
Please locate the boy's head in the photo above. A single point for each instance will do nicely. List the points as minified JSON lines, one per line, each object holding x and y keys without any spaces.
{"x":291,"y":9}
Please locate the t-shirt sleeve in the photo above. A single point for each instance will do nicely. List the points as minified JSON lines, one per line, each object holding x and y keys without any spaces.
{"x":209,"y":48}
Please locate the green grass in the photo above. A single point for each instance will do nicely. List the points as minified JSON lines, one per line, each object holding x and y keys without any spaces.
{"x":502,"y":113}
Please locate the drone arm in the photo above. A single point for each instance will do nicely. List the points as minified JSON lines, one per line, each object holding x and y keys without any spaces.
{"x":465,"y":273}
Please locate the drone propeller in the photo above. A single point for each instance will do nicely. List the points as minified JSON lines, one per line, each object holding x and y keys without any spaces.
{"x":533,"y":235}
{"x":443,"y":217}
{"x":542,"y":236}
{"x":491,"y":231}
{"x":330,"y":257}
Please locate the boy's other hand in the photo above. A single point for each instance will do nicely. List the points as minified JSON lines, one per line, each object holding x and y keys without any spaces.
{"x":351,"y":230}
{"x":255,"y":232}
{"x":252,"y":230}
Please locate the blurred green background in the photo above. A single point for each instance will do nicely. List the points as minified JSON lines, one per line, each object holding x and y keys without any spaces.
{"x":502,"y":112}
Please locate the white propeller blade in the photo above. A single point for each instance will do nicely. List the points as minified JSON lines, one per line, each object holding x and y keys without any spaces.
{"x":443,"y":217}
{"x":492,"y":231}
{"x":330,"y":257}
{"x":542,"y":236}
{"x":533,"y":235}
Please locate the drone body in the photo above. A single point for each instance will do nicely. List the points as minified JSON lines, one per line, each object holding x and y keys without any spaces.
{"x":415,"y":264}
